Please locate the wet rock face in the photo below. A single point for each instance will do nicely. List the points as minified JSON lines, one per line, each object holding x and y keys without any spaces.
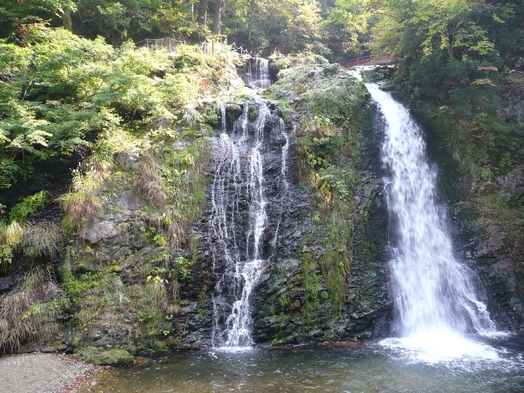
{"x":292,"y":301}
{"x":281,"y":313}
{"x":491,"y":240}
{"x":279,"y":303}
{"x":252,"y":158}
{"x":114,"y":235}
{"x":7,"y":283}
{"x":242,"y":123}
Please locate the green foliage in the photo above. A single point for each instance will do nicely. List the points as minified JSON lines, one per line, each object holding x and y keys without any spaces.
{"x":181,"y":268}
{"x":6,"y":256}
{"x":457,"y":65}
{"x":76,"y":287}
{"x":11,"y":237}
{"x":285,"y":110}
{"x":290,"y":25}
{"x":446,"y":49}
{"x":336,"y":262}
{"x":28,"y":205}
{"x":310,"y":281}
{"x":345,"y":29}
{"x":320,"y":145}
{"x":17,"y":14}
{"x":60,"y":91}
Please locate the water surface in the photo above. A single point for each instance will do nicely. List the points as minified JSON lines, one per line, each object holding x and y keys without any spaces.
{"x":365,"y":368}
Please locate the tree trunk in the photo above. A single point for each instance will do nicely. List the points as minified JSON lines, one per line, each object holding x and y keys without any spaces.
{"x":218,"y":16}
{"x":67,"y":21}
{"x":202,"y":12}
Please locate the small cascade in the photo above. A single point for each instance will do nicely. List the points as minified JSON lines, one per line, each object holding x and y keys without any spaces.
{"x":436,"y":296}
{"x":242,"y":235}
{"x":258,"y":74}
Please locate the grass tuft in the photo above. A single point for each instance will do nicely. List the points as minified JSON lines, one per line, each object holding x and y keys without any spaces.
{"x":26,"y":316}
{"x":41,"y":239}
{"x":148,"y":184}
{"x":11,"y":236}
{"x":83,"y":202}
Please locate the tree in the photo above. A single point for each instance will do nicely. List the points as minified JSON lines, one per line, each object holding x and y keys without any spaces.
{"x":18,"y":12}
{"x":202,"y":12}
{"x":286,"y":25}
{"x":217,"y":21}
{"x":346,"y":28}
{"x":67,"y":20}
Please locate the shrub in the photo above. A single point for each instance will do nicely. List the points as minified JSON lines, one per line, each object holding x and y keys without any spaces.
{"x":79,"y":208}
{"x":83,"y":203}
{"x":28,"y":205}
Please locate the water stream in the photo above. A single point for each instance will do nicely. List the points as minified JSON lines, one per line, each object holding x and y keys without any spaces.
{"x":437,"y":297}
{"x":258,"y":74}
{"x":239,"y":228}
{"x":367,"y":368}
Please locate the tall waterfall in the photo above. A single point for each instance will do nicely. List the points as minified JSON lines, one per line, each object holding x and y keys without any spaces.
{"x":249,"y":178}
{"x":436,"y":296}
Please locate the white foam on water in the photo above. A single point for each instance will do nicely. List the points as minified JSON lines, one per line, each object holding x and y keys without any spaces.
{"x":440,"y":347}
{"x":234,"y":349}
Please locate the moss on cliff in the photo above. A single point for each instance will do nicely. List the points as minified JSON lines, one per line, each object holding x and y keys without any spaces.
{"x":329,"y":109}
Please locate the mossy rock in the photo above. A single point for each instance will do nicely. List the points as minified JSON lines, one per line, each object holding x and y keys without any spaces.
{"x":233,"y":112}
{"x":106,"y":357}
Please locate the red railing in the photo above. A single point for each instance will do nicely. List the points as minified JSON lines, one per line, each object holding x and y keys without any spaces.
{"x":368,"y":59}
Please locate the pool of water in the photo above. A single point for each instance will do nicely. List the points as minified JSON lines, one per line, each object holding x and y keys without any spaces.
{"x":369,"y":367}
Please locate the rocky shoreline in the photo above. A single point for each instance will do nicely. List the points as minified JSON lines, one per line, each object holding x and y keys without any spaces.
{"x":43,"y":373}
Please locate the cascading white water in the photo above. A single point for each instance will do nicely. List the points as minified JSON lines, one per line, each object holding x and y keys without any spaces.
{"x":239,"y":220}
{"x":258,"y":74}
{"x":435,"y":295}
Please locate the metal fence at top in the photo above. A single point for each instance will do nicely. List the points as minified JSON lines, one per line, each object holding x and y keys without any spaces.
{"x":170,"y":44}
{"x":167,"y":43}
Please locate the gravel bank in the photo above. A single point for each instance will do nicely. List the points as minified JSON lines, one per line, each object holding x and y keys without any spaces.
{"x":42,"y":373}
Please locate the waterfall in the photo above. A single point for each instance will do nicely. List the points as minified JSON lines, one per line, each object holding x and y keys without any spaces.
{"x":243,"y":237}
{"x":258,"y":74}
{"x":436,"y":296}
